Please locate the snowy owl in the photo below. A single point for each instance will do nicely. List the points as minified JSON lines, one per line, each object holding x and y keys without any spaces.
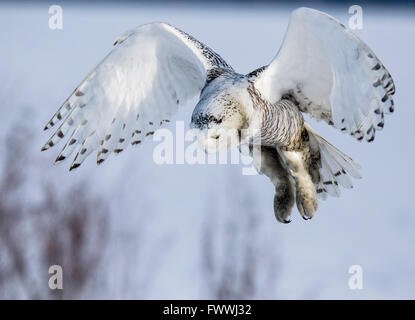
{"x":322,"y":69}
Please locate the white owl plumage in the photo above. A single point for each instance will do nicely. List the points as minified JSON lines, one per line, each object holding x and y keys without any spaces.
{"x":322,"y":69}
{"x":332,"y":73}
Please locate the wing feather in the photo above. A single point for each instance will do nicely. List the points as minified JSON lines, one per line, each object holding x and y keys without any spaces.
{"x":136,"y":88}
{"x":331,"y":74}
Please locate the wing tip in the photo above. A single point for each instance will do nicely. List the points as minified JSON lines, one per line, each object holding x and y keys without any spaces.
{"x":49,"y":125}
{"x":59,"y":159}
{"x":74,"y":166}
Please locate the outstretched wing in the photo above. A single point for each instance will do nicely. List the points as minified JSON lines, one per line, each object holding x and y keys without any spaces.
{"x":330,"y":74}
{"x":134,"y":90}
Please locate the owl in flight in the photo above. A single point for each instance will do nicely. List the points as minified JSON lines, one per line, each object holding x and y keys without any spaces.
{"x":322,"y":69}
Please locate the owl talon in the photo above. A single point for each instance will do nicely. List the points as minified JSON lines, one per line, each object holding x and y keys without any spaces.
{"x":283,"y":202}
{"x":306,"y":204}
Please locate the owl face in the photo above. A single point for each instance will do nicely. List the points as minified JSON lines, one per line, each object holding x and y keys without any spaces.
{"x":219,"y":120}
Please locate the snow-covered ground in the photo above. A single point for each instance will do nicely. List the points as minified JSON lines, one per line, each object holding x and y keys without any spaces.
{"x":159,"y":213}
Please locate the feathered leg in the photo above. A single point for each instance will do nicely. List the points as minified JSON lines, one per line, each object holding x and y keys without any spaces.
{"x":298,"y":162}
{"x":271,"y":165}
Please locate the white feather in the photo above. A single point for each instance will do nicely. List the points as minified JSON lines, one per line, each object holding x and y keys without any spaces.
{"x":136,"y":88}
{"x":331,"y":73}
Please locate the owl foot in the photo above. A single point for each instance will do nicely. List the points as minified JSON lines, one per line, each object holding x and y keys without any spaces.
{"x":306,"y":203}
{"x":283,"y":202}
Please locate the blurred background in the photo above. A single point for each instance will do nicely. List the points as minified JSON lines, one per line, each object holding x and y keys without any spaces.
{"x":134,"y":229}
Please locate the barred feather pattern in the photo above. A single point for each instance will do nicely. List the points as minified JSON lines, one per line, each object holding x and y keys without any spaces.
{"x":281,"y":123}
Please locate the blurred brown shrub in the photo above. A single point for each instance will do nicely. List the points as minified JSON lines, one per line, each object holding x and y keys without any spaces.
{"x":69,"y":230}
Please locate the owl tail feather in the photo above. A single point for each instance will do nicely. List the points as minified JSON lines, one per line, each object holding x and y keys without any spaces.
{"x":336,"y":167}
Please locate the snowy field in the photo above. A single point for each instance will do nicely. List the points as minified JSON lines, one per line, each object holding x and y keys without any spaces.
{"x":181,"y":231}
